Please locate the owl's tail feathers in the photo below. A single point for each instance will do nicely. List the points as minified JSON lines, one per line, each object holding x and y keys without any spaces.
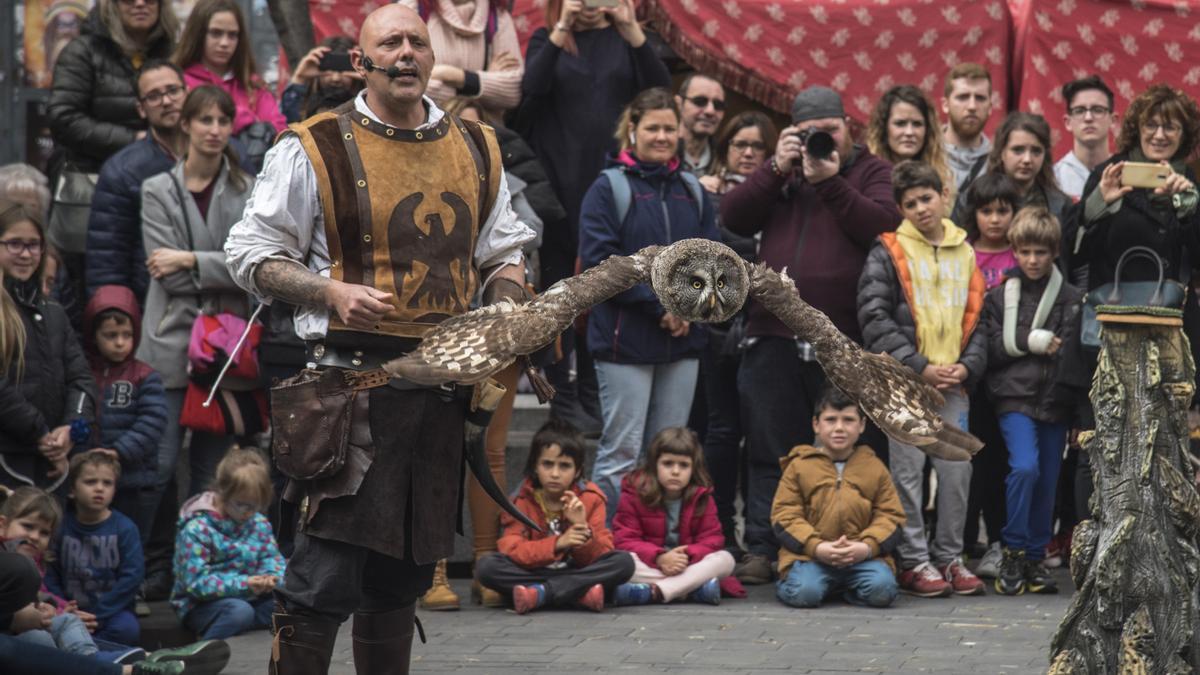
{"x":903,"y":405}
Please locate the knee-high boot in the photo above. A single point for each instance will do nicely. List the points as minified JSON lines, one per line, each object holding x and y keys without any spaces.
{"x":383,"y":641}
{"x":303,"y":645}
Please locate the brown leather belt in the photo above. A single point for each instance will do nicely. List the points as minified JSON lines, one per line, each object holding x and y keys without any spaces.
{"x":364,"y":369}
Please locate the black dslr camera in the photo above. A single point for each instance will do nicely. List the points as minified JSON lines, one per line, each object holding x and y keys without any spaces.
{"x":817,"y":144}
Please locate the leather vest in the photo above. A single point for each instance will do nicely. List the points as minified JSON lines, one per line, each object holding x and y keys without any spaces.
{"x":402,"y":210}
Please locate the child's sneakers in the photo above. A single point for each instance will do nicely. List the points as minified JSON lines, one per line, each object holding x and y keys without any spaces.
{"x":1011,"y":580}
{"x":593,"y":599}
{"x":159,"y":668}
{"x":528,"y":598}
{"x":989,"y":564}
{"x":709,"y":593}
{"x":1038,"y":579}
{"x":924,"y":581}
{"x":962,"y":581}
{"x":633,"y":594}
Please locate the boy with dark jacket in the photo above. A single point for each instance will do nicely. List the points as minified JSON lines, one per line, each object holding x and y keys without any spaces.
{"x":1035,"y":379}
{"x":920,"y":298}
{"x":133,"y":406}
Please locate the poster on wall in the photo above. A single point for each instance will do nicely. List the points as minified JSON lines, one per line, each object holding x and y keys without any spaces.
{"x":49,"y":26}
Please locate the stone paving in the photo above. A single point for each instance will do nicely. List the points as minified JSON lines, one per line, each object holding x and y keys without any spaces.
{"x":990,"y":634}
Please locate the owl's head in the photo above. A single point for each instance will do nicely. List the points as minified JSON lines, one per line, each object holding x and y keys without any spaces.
{"x":700,"y":280}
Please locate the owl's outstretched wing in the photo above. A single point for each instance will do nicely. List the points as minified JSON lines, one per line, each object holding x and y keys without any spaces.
{"x":471,"y":347}
{"x":895,"y":398}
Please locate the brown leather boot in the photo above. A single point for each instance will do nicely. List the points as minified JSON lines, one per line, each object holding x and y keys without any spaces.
{"x":303,"y":645}
{"x":440,"y":596}
{"x":383,"y":641}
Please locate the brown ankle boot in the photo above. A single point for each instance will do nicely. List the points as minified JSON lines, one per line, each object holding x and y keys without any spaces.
{"x":302,"y":645}
{"x":440,"y":596}
{"x":383,"y":641}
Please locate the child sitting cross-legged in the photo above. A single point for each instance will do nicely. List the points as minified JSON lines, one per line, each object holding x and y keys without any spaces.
{"x":667,"y":518}
{"x":836,"y":514}
{"x":226,"y":561}
{"x":572,"y":560}
{"x":1036,"y":380}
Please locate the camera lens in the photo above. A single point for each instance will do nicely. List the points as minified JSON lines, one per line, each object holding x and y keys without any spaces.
{"x":818,"y":144}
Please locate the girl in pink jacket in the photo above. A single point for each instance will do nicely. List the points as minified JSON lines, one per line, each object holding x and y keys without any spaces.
{"x":667,"y":518}
{"x":215,"y":49}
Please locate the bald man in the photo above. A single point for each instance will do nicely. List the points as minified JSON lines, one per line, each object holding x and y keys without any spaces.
{"x":378,"y":219}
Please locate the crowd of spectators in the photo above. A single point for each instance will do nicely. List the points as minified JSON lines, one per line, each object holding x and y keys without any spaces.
{"x":964,"y":257}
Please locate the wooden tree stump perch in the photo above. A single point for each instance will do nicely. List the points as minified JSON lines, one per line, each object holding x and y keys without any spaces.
{"x":1136,"y":562}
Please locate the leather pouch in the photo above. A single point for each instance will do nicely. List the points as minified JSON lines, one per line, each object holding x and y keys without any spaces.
{"x":310,"y":423}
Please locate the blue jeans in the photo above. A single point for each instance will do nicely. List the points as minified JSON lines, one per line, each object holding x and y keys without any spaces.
{"x":637,"y":401}
{"x":870,"y":582}
{"x":1035,"y":451}
{"x":224,"y":618}
{"x":66,"y":633}
{"x":121,"y":628}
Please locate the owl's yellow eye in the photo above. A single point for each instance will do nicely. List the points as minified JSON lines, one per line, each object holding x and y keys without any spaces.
{"x":697,"y":284}
{"x":721,"y":282}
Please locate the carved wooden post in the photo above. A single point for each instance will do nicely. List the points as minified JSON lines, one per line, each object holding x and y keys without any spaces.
{"x":1136,"y":562}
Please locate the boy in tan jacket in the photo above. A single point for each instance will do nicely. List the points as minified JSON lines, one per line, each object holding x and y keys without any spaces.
{"x":836,"y":514}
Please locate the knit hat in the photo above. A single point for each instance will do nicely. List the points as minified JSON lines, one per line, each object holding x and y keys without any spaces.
{"x":817,"y":103}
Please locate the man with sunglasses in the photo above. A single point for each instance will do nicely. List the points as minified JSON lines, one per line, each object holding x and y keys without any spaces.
{"x":701,"y":101}
{"x":1089,"y":118}
{"x":114,"y":237}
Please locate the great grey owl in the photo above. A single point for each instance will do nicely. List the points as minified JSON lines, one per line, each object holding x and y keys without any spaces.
{"x":697,"y":280}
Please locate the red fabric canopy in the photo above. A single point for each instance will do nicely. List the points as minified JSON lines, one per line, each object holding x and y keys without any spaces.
{"x":770,"y":49}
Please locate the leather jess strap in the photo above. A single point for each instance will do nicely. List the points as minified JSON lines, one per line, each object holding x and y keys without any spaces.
{"x":359,"y":380}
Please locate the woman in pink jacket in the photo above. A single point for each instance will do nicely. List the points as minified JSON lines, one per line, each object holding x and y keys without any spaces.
{"x":214,"y":49}
{"x":667,"y":518}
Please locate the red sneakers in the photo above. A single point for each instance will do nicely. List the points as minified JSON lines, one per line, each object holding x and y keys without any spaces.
{"x":593,"y":599}
{"x":960,"y":579}
{"x":528,"y":598}
{"x":924,"y":581}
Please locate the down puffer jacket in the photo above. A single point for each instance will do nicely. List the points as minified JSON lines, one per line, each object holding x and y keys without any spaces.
{"x":93,"y":102}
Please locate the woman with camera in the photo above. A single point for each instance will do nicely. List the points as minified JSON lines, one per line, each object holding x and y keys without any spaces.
{"x":647,"y":359}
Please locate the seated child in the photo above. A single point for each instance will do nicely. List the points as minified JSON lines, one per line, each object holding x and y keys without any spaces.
{"x":667,"y":518}
{"x":836,"y":514}
{"x":1035,"y":378}
{"x":226,"y":560}
{"x":98,"y":551}
{"x":575,"y":562}
{"x":133,"y":405}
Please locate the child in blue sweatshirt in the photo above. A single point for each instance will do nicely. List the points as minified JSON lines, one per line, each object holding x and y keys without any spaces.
{"x":226,"y":560}
{"x":98,"y":551}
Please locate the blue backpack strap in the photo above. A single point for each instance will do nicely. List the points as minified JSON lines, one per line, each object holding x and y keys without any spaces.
{"x":621,"y":190}
{"x":697,"y":191}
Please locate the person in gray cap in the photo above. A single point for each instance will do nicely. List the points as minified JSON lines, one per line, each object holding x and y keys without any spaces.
{"x":818,"y":217}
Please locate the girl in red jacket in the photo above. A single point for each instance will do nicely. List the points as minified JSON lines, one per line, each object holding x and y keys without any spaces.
{"x":668,"y":520}
{"x":572,"y":560}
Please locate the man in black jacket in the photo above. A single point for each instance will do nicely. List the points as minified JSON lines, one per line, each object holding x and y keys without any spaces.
{"x":114,"y":240}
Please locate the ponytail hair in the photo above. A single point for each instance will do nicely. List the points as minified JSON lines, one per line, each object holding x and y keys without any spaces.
{"x":198,"y":100}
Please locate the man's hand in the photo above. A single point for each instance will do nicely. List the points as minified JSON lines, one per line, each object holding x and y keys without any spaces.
{"x":360,"y":307}
{"x":573,"y":509}
{"x":817,"y":170}
{"x":164,"y":261}
{"x":576,"y":535}
{"x":55,"y":445}
{"x":310,"y":66}
{"x":673,"y":562}
{"x":789,"y":150}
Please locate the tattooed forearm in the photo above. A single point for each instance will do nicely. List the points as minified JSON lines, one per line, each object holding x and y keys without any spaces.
{"x":290,"y":282}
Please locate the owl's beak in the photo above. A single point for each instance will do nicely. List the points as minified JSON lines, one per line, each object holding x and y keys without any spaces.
{"x":712,"y":303}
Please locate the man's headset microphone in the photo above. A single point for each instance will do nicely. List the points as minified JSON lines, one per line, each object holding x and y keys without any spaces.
{"x":393,"y":71}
